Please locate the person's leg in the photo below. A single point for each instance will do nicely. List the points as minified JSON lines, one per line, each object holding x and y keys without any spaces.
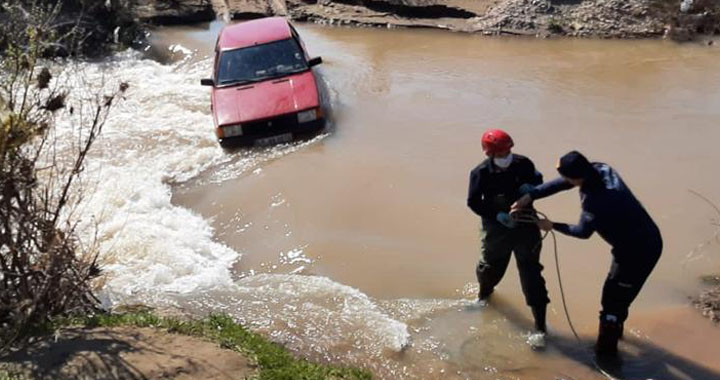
{"x":528,"y":245}
{"x":495,"y":256}
{"x":622,"y":286}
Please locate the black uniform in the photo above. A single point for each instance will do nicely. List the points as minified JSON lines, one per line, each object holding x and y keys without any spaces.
{"x":611,"y":209}
{"x":493,"y":190}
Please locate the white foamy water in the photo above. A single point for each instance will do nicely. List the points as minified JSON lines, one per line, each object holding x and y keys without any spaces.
{"x":161,"y":133}
{"x":399,"y":87}
{"x":297,"y":310}
{"x":160,"y":254}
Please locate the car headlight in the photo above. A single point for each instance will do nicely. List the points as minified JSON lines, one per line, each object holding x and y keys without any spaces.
{"x":309,"y":115}
{"x":232,"y":130}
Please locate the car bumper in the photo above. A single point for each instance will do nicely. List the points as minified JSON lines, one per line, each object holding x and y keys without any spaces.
{"x":268,"y":128}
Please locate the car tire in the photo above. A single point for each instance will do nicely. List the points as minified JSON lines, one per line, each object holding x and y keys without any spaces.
{"x":225,"y":143}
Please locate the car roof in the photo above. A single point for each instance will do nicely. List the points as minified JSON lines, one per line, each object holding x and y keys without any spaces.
{"x":253,"y":32}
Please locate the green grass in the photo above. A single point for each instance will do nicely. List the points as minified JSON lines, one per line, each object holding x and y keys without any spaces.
{"x":273,"y":360}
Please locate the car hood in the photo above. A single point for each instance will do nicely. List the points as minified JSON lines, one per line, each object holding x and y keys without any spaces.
{"x":262,"y":100}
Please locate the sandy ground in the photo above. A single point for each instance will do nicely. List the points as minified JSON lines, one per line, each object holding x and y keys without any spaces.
{"x":128,"y":353}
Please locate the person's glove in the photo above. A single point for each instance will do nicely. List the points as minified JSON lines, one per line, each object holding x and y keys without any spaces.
{"x":505,"y":219}
{"x":526,"y":188}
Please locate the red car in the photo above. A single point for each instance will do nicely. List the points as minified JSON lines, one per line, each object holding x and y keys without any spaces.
{"x":263,"y":87}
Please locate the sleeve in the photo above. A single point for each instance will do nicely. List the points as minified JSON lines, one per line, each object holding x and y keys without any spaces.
{"x":549,"y":188}
{"x":475,"y":197}
{"x":583,"y":230}
{"x":533,"y":176}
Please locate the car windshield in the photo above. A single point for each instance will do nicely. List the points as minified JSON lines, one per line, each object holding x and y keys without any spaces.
{"x":261,"y":62}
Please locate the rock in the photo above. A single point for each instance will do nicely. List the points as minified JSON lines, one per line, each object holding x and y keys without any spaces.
{"x":247,"y":9}
{"x":576,"y":25}
{"x":678,"y":34}
{"x":172,"y":12}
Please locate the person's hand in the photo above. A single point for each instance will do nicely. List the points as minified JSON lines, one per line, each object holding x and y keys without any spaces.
{"x":505,"y":219}
{"x":545,"y":224}
{"x":526,"y":188}
{"x":521,"y":203}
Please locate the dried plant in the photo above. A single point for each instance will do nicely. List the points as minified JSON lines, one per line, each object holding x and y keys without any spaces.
{"x":45,"y":268}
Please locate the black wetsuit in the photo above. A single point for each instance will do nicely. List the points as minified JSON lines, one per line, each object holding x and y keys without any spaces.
{"x":610,"y":208}
{"x":492,"y":191}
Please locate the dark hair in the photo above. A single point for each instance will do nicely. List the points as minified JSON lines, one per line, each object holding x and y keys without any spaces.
{"x":574,"y":165}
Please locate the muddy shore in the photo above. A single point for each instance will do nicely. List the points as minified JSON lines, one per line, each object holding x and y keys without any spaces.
{"x":105,"y":25}
{"x":144,"y":345}
{"x":128,"y":353}
{"x":578,"y":18}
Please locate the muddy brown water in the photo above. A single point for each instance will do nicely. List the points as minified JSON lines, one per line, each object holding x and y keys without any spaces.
{"x":378,"y":204}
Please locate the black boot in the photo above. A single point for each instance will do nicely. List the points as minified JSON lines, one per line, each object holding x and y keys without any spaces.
{"x":539,"y":315}
{"x":536,"y":340}
{"x":484,"y":293}
{"x":608,"y":336}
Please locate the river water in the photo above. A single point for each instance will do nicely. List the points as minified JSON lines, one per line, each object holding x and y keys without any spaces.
{"x":357,"y":247}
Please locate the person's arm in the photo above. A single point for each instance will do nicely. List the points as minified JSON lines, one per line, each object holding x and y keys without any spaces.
{"x":534,"y":177}
{"x":583,"y":230}
{"x":549,"y":188}
{"x":541,"y":191}
{"x":529,"y":177}
{"x":475,"y":197}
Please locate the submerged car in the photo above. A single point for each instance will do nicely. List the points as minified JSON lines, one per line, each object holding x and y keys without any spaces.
{"x":264,"y":90}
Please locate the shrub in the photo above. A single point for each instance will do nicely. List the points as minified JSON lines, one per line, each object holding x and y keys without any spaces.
{"x":45,"y":269}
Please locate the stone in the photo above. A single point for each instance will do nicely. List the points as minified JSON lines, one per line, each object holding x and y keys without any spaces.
{"x":172,"y":12}
{"x":241,"y":9}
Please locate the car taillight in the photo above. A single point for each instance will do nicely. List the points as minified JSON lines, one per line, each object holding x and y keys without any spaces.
{"x":232,"y":130}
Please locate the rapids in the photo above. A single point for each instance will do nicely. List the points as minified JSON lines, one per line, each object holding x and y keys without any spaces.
{"x":357,"y":247}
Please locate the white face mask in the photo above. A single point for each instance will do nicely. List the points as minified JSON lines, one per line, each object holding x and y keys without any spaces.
{"x":504,"y":162}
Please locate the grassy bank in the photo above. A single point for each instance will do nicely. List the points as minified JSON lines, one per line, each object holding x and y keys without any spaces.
{"x":272,"y":360}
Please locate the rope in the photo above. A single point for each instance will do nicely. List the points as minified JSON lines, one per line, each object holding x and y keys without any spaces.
{"x":562,"y":290}
{"x":531,"y":216}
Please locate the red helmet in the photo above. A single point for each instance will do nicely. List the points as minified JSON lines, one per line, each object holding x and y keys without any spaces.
{"x":496,"y":141}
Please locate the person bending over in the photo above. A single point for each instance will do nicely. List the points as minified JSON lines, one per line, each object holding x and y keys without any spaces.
{"x":610,"y":209}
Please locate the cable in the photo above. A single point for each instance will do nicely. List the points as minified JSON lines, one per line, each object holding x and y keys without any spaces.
{"x":562,"y":290}
{"x":531,"y":216}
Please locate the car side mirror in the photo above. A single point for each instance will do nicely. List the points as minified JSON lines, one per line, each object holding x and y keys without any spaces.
{"x":314,"y":61}
{"x":207,"y":82}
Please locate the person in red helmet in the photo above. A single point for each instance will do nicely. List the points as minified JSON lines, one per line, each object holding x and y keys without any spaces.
{"x":495,"y":184}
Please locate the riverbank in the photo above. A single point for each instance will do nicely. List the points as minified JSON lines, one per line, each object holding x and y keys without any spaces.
{"x":114,"y":24}
{"x":576,"y":18}
{"x":146,"y":346}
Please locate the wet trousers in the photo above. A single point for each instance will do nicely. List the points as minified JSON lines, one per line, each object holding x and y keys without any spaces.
{"x":629,"y":270}
{"x":498,"y":243}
